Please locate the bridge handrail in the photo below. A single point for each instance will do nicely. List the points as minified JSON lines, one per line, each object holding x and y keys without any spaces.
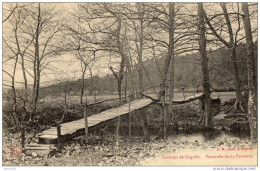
{"x":122,"y":97}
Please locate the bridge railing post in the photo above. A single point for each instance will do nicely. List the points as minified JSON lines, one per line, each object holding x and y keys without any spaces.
{"x":117,"y":124}
{"x":183,"y":93}
{"x":130,"y":117}
{"x":58,"y":134}
{"x":22,"y":128}
{"x":86,"y":122}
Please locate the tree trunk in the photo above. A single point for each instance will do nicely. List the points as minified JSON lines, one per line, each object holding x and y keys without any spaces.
{"x":37,"y":63}
{"x":130,"y":118}
{"x":126,"y":59}
{"x":25,"y":80}
{"x":232,"y":48}
{"x":65,"y":97}
{"x":171,"y":79}
{"x":86,"y":121}
{"x":252,"y":82}
{"x":123,"y":56}
{"x":126,"y":84}
{"x":140,"y":56}
{"x":237,"y":80}
{"x":34,"y":88}
{"x":83,"y":84}
{"x":37,"y":90}
{"x":145,"y":126}
{"x":22,"y":63}
{"x":117,"y":124}
{"x":119,"y":77}
{"x":131,"y":78}
{"x":14,"y":110}
{"x":171,"y":90}
{"x":167,"y":60}
{"x":119,"y":88}
{"x":93,"y":87}
{"x":204,"y":67}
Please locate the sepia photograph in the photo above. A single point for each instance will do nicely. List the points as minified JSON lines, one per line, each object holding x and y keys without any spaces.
{"x":130,"y":84}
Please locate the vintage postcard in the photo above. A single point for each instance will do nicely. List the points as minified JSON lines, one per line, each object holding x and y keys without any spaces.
{"x":130,"y":84}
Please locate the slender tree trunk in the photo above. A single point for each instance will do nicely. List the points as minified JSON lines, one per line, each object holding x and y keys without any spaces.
{"x":86,"y":121}
{"x":65,"y":97}
{"x":126,"y":83}
{"x":252,"y":80}
{"x":171,"y":89}
{"x":236,"y":79}
{"x":130,"y":76}
{"x":37,"y":62}
{"x":83,"y":84}
{"x":171,"y":79}
{"x":22,"y":63}
{"x":124,"y":59}
{"x":119,"y":88}
{"x":93,"y":87}
{"x":37,"y":91}
{"x":25,"y":80}
{"x":233,"y":58}
{"x":14,"y":110}
{"x":120,"y":80}
{"x":232,"y":46}
{"x":145,"y":125}
{"x":119,"y":77}
{"x":34,"y":85}
{"x":140,"y":55}
{"x":167,"y":61}
{"x":204,"y":67}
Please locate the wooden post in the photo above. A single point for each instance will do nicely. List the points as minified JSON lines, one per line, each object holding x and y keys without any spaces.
{"x":22,"y":135}
{"x":58,"y":134}
{"x":202,"y":106}
{"x":183,"y":93}
{"x":125,"y":83}
{"x":86,"y":122}
{"x":130,"y":117}
{"x":218,"y":92}
{"x":117,"y":124}
{"x":145,"y":126}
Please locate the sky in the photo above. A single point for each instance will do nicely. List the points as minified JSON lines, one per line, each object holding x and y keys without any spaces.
{"x":70,"y":67}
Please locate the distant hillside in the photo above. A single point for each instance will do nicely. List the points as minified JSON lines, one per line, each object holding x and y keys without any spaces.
{"x":187,"y":74}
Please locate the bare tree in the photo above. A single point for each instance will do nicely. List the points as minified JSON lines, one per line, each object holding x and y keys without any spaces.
{"x":18,"y":46}
{"x":138,"y":17}
{"x":94,"y":83}
{"x":204,"y":67}
{"x":43,"y":26}
{"x":19,"y":17}
{"x":167,"y":60}
{"x":108,"y":37}
{"x":11,"y":9}
{"x":14,"y":96}
{"x":231,"y":45}
{"x":34,"y":38}
{"x":85,"y":60}
{"x":252,"y":79}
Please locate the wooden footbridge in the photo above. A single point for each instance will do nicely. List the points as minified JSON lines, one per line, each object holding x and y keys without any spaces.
{"x":75,"y":128}
{"x":67,"y":131}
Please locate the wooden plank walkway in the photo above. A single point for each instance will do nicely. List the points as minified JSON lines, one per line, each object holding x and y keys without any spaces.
{"x":102,"y":119}
{"x":76,"y":128}
{"x":188,"y":99}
